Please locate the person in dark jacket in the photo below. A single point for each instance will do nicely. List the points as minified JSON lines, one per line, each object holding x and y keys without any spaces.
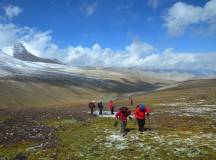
{"x":92,"y":106}
{"x":100,"y":107}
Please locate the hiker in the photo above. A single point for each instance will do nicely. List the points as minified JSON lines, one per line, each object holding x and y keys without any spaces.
{"x":111,"y":106}
{"x":122,"y":114}
{"x":131,"y":100}
{"x":140,"y":113}
{"x":91,"y":105}
{"x":100,"y":107}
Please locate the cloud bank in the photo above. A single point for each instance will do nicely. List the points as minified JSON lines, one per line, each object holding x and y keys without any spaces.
{"x":181,"y":16}
{"x":137,"y":54}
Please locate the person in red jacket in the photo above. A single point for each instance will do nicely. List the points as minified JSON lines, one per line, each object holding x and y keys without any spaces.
{"x":131,"y":100}
{"x":140,"y":113}
{"x":111,"y":106}
{"x":122,"y":114}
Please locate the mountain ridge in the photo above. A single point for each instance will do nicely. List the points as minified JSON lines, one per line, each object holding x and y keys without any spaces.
{"x":20,"y":52}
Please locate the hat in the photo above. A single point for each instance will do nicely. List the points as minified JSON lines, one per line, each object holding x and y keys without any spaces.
{"x":142,"y":106}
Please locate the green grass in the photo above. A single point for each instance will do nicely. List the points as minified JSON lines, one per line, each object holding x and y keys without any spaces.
{"x":92,"y":139}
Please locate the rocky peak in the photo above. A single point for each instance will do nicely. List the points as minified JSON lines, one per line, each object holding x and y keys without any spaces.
{"x":19,"y":48}
{"x":20,"y":52}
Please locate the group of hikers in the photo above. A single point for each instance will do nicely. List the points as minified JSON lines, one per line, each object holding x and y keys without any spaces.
{"x":140,"y":113}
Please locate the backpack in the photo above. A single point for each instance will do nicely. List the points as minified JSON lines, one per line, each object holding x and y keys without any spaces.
{"x":100,"y":105}
{"x":124,"y":110}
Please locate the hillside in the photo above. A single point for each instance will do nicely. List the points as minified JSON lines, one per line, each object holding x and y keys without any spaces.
{"x":181,"y":126}
{"x":44,"y":84}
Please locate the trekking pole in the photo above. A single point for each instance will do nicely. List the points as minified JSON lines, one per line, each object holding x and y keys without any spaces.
{"x":116,"y":123}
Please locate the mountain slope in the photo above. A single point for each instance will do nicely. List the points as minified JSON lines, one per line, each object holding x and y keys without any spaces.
{"x":21,"y":53}
{"x":34,"y":84}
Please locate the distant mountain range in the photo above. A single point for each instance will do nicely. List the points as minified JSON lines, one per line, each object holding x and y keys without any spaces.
{"x":28,"y":80}
{"x":176,"y":74}
{"x":23,"y":62}
{"x":20,"y":52}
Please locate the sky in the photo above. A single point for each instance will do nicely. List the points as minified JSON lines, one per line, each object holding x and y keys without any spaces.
{"x":143,"y":33}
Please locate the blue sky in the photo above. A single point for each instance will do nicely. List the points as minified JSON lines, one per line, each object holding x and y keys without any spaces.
{"x":111,"y":23}
{"x":167,"y":34}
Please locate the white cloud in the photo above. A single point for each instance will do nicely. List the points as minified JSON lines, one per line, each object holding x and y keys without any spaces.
{"x":153,"y":3}
{"x":137,"y":54}
{"x":39,"y":43}
{"x":12,"y":11}
{"x":181,"y":16}
{"x":89,"y":9}
{"x":141,"y":55}
{"x":98,"y":56}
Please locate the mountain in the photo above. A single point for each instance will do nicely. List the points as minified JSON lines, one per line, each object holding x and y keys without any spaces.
{"x":26,"y":83}
{"x":20,"y":52}
{"x":175,"y":74}
{"x":28,"y":80}
{"x":99,"y":78}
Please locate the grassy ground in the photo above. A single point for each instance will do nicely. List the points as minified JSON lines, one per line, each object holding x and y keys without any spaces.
{"x":172,"y":137}
{"x":182,"y":126}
